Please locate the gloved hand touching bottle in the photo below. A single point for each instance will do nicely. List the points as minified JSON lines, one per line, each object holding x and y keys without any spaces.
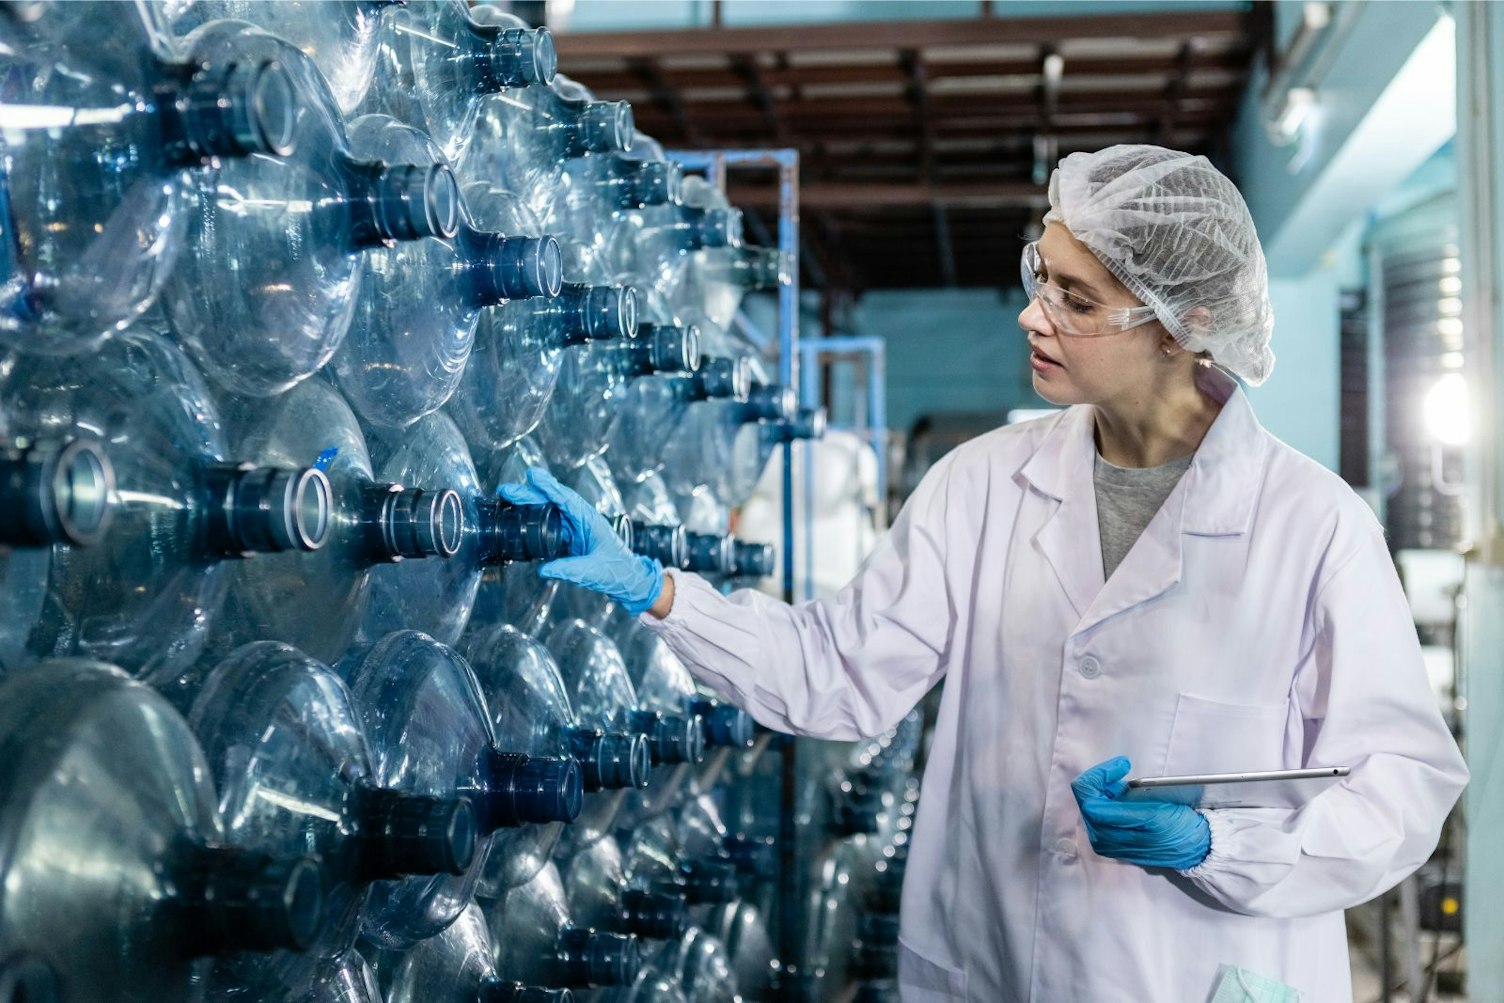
{"x":1146,"y":833}
{"x":597,"y":559}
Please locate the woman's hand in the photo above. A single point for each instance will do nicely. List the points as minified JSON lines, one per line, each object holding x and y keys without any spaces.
{"x":597,"y":559}
{"x":1146,"y":833}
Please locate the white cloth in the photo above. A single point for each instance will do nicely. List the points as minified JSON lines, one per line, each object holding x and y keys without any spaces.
{"x":1257,"y":623}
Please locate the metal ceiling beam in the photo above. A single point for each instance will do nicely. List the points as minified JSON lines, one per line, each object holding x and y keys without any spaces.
{"x":842,"y":195}
{"x":900,"y":34}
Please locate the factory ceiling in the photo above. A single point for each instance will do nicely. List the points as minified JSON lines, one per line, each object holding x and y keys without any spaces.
{"x":924,"y":144}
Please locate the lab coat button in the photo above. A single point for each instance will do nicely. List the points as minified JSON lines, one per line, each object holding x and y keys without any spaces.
{"x":1090,"y":667}
{"x":1065,"y":847}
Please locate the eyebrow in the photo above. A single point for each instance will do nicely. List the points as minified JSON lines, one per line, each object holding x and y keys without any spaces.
{"x":1069,"y":281}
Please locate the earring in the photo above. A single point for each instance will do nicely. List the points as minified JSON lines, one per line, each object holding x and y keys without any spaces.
{"x":1169,"y":352}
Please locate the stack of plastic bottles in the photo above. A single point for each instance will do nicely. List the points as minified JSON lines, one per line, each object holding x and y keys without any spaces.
{"x":287,"y":291}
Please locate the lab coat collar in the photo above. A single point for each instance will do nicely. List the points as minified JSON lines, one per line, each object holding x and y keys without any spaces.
{"x":1222,"y":481}
{"x":1216,"y":497}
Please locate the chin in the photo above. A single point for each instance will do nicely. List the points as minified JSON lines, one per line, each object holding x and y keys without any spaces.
{"x":1056,"y":394}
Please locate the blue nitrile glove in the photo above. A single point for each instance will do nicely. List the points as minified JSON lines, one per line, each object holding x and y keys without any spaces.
{"x":1146,"y":833}
{"x":598,"y":559}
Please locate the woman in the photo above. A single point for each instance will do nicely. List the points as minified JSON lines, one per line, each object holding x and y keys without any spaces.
{"x":1147,"y":577}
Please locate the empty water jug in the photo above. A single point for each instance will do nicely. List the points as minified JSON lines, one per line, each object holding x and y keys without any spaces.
{"x":295,"y":774}
{"x":538,"y":942}
{"x":342,"y":979}
{"x":419,"y":301}
{"x":100,"y":138}
{"x":741,"y":927}
{"x":268,"y":280}
{"x":431,"y":733}
{"x":716,"y":280}
{"x":437,"y":597}
{"x":115,"y":874}
{"x":371,"y":523}
{"x":654,"y":406}
{"x":340,"y":36}
{"x":597,"y":385}
{"x":514,"y":367}
{"x":594,"y":189}
{"x":655,"y":857}
{"x":441,"y":61}
{"x":526,"y":695}
{"x":145,"y":597}
{"x":702,"y":967}
{"x":456,"y":966}
{"x":602,"y":895}
{"x":651,"y":248}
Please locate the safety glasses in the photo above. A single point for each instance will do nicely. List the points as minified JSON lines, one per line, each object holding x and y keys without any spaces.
{"x":1073,"y":314}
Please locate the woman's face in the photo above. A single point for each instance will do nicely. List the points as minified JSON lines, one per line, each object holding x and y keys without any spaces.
{"x":1116,"y":367}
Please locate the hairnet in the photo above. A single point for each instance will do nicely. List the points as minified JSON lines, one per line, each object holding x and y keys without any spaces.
{"x":1178,"y":235}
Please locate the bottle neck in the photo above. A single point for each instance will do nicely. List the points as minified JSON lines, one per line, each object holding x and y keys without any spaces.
{"x":655,"y":915}
{"x":265,"y":509}
{"x":662,"y":348}
{"x":638,"y":184}
{"x":694,"y":229}
{"x":610,"y":760}
{"x":501,"y":268}
{"x":512,"y":533}
{"x":519,"y":790}
{"x":588,"y":958}
{"x":672,"y":738}
{"x":582,"y":313}
{"x":709,"y":554}
{"x":586,"y":127}
{"x":241,"y":900}
{"x":230,"y":110}
{"x":398,"y":834}
{"x":391,"y":202}
{"x":719,"y":379}
{"x":665,"y":544}
{"x":752,"y":560}
{"x":769,"y":402}
{"x":755,"y":268}
{"x":53,"y":493}
{"x":508,"y":57}
{"x":410,"y":523}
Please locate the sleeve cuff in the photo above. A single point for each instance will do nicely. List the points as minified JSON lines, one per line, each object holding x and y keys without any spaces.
{"x":1220,"y":851}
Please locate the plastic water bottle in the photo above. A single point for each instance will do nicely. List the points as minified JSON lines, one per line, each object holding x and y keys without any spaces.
{"x":147,"y":594}
{"x":272,"y":266}
{"x":127,"y":897}
{"x":646,"y":420}
{"x":340,"y":36}
{"x":604,"y":897}
{"x":441,"y":61}
{"x":100,"y":140}
{"x":652,"y":248}
{"x":437,"y":597}
{"x":419,"y":301}
{"x":456,"y":966}
{"x":594,"y":190}
{"x":371,"y":523}
{"x":431,"y":733}
{"x":295,"y":774}
{"x":520,"y":347}
{"x":726,"y":444}
{"x":717,"y":280}
{"x":524,"y":690}
{"x":538,"y":942}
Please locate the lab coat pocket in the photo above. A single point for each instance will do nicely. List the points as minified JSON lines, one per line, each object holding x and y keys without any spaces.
{"x":1209,"y":736}
{"x":922,"y":980}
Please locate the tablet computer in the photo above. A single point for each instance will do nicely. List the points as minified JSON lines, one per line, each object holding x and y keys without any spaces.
{"x":1263,"y":789}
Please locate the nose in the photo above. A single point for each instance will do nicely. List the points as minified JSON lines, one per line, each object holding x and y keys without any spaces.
{"x":1033,"y":319}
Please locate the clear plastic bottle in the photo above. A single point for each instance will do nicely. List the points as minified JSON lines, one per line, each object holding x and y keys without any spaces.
{"x":520,"y":346}
{"x":148,"y":593}
{"x":267,"y":282}
{"x":126,"y":897}
{"x":523,"y":688}
{"x":701,"y":965}
{"x":295,"y":774}
{"x":604,"y":897}
{"x":441,"y":61}
{"x":538,"y":942}
{"x":652,"y":248}
{"x":655,"y":857}
{"x":526,"y":138}
{"x":340,"y":36}
{"x":437,"y":597}
{"x":596,"y":190}
{"x":456,"y":966}
{"x":420,"y":301}
{"x":101,"y":140}
{"x":370,"y":523}
{"x":343,"y":979}
{"x":715,"y":279}
{"x":596,"y":383}
{"x":646,"y":419}
{"x":741,"y":927}
{"x":431,"y":733}
{"x":51,"y":492}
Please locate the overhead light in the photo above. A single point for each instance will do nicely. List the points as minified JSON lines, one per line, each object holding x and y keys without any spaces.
{"x":1447,"y":413}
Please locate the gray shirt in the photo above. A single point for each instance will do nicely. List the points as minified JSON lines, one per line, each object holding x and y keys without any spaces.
{"x":1127,"y":499}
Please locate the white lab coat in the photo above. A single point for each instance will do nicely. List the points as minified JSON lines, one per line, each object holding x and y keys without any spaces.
{"x":1258,"y":623}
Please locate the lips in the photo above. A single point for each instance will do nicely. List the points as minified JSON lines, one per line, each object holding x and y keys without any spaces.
{"x":1044,"y":355}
